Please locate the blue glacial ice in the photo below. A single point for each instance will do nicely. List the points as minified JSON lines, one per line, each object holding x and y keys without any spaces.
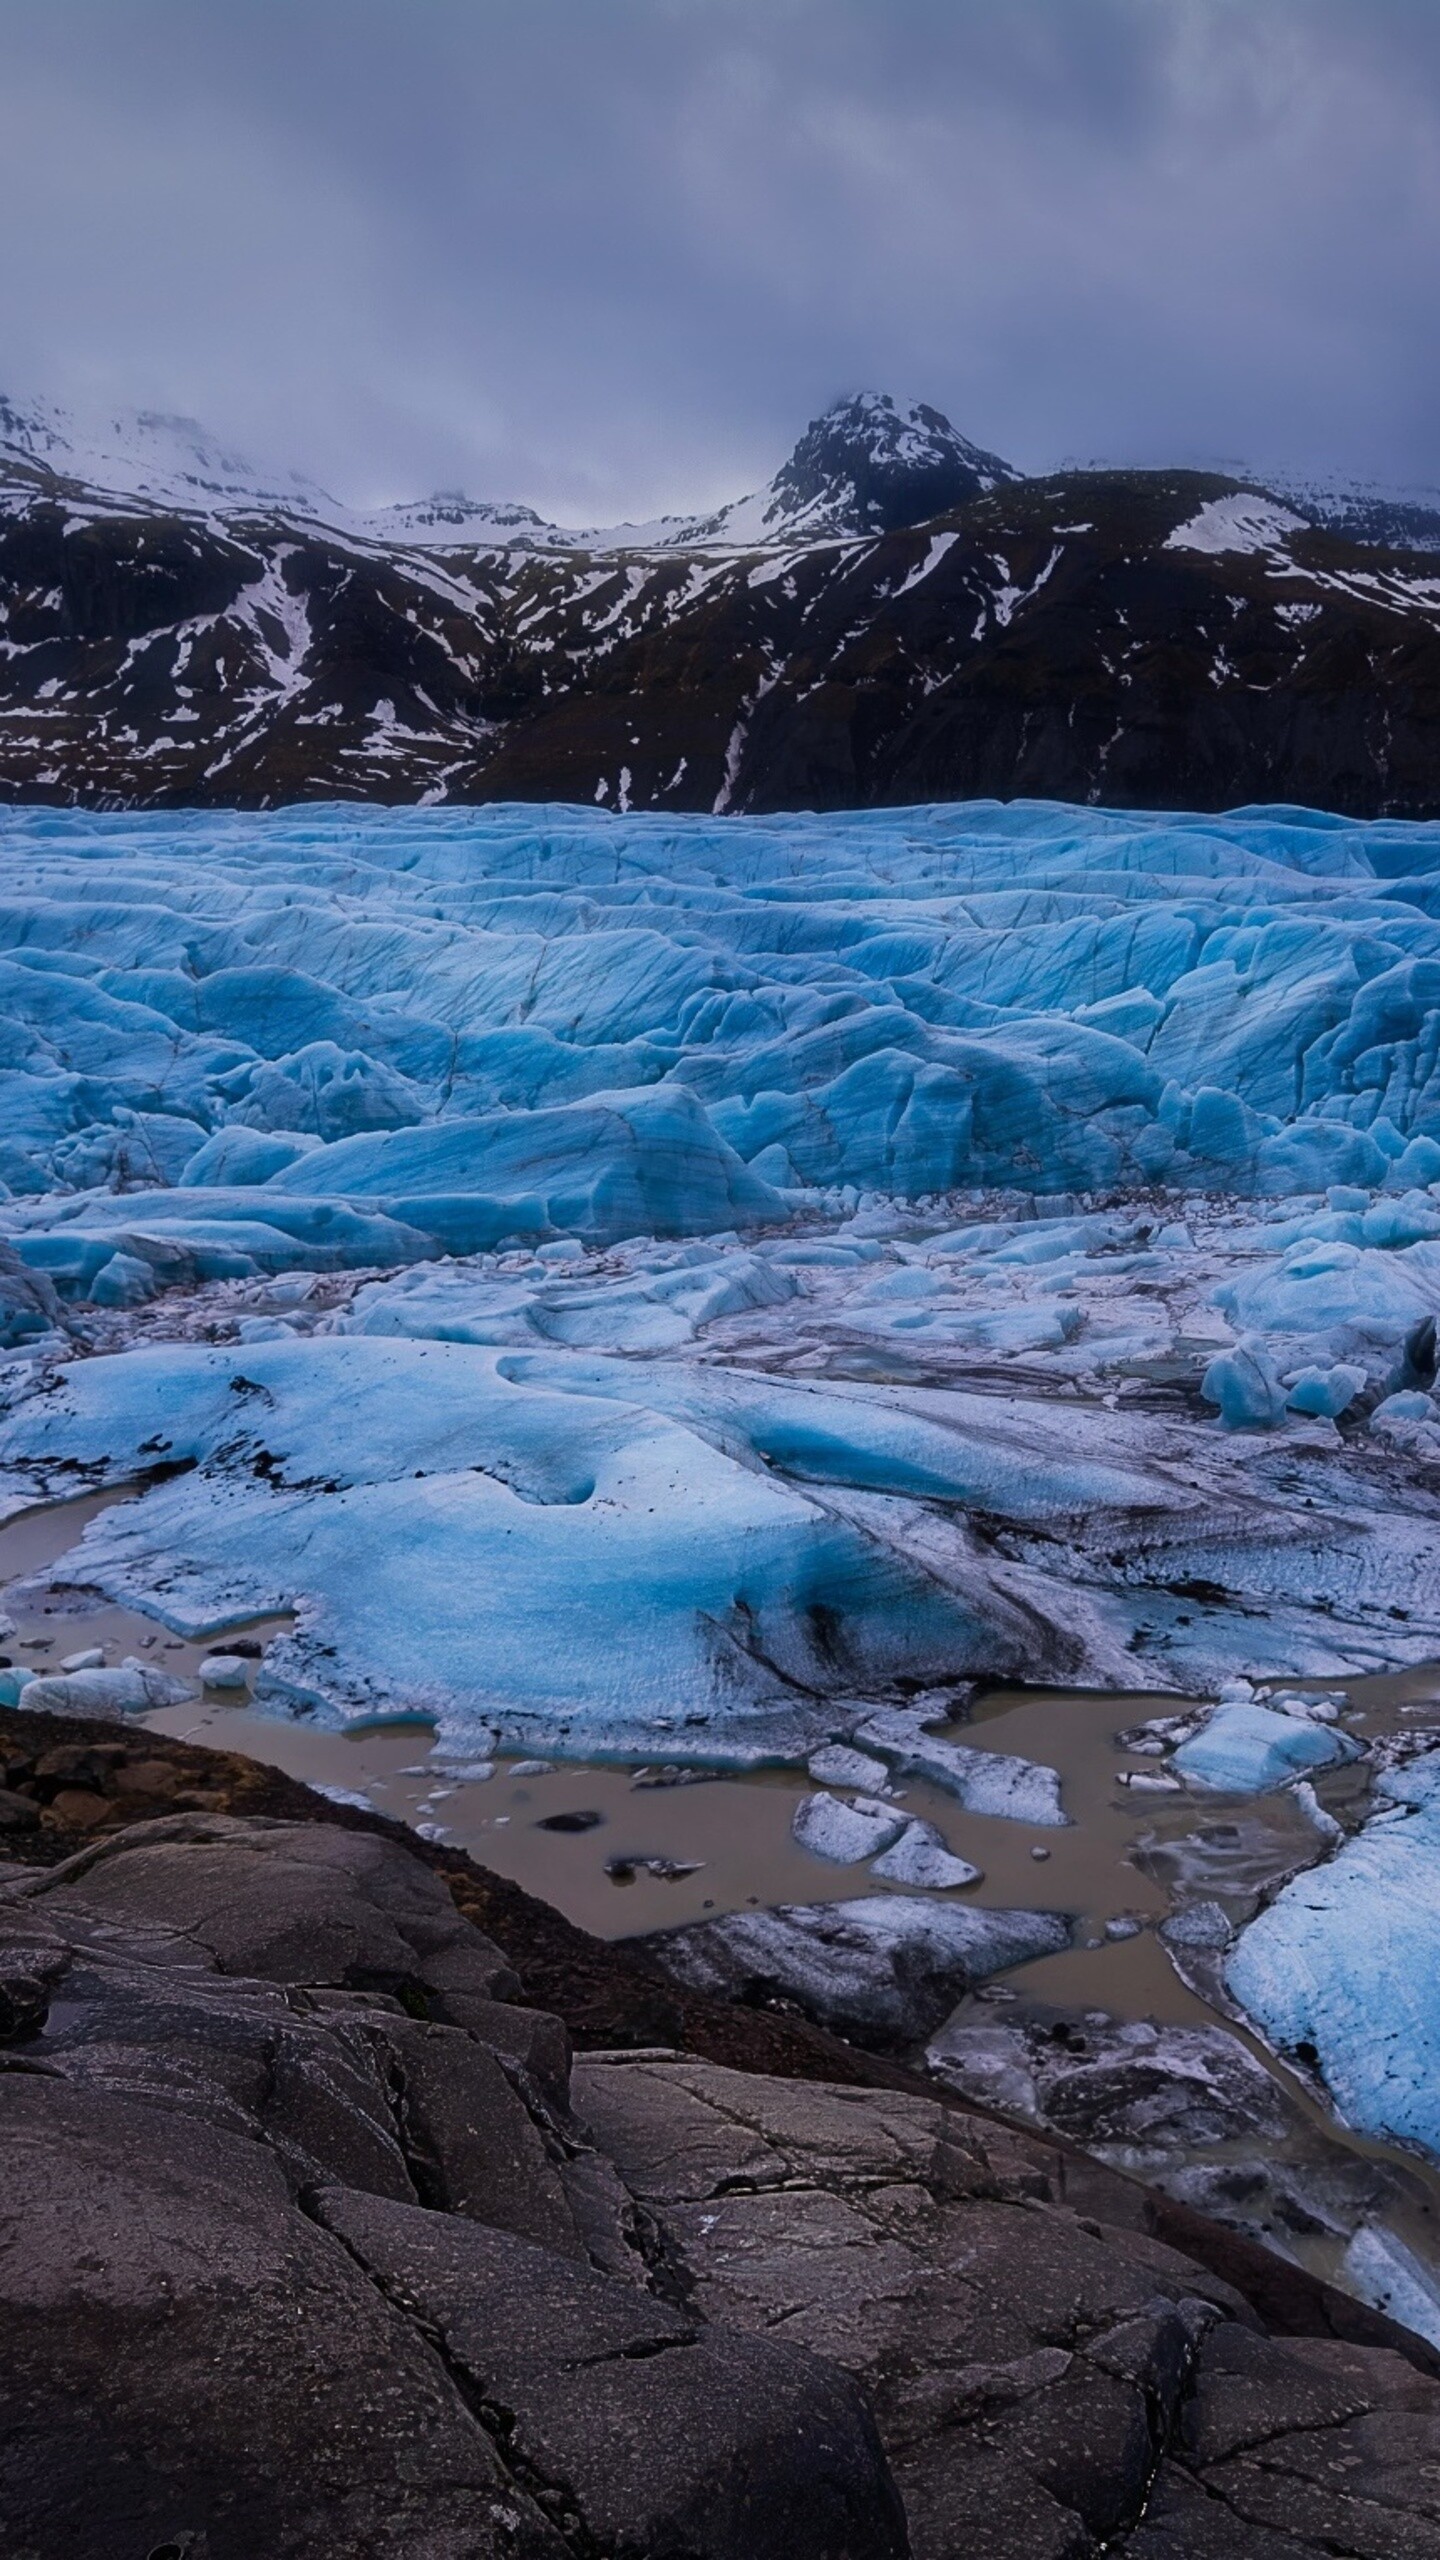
{"x":510,"y":1022}
{"x":1342,"y":1964}
{"x":623,"y":1281}
{"x":1247,"y":1749}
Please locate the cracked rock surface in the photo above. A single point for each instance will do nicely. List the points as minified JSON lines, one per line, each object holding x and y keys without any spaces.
{"x":312,"y":2240}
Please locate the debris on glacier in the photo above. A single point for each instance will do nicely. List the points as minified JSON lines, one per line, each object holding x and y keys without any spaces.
{"x":885,"y":1970}
{"x":1192,"y":2111}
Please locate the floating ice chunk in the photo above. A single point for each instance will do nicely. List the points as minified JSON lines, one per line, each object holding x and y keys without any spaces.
{"x":839,"y":1766}
{"x":226,"y":1671}
{"x":1324,"y":1821}
{"x":920,"y":1857}
{"x":1291,"y":1702}
{"x":1250,"y":1750}
{"x":993,"y":1782}
{"x":131,"y":1690}
{"x":846,"y":1833}
{"x":1201,"y":1925}
{"x":1246,"y":1386}
{"x":91,"y":1658}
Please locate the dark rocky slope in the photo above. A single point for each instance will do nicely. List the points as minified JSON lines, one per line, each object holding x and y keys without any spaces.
{"x":1026,"y":637}
{"x":313,"y":2241}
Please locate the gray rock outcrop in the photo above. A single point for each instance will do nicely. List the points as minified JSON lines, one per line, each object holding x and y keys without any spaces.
{"x":312,"y":2241}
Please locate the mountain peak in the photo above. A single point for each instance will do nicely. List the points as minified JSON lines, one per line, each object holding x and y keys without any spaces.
{"x":883,"y":463}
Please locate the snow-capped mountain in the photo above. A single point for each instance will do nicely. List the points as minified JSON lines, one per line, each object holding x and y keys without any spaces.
{"x":896,"y":616}
{"x":867,"y":465}
{"x":144,"y":453}
{"x":1402,"y":519}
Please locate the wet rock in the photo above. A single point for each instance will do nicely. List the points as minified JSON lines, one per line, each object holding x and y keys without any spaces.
{"x":416,"y":2302}
{"x":638,"y":2425}
{"x":290,"y":1902}
{"x":281,"y":2404}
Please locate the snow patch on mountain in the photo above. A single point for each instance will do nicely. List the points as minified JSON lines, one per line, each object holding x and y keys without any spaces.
{"x":1244,"y":520}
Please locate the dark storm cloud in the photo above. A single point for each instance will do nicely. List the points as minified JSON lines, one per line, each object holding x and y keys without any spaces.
{"x":608,"y":255}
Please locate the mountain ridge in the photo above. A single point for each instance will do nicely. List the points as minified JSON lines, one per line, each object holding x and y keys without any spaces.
{"x":1147,"y":638}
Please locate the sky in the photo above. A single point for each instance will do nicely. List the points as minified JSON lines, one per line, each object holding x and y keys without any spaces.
{"x":608,"y":256}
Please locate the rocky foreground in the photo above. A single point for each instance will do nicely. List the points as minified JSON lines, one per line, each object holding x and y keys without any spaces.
{"x":317,"y":2240}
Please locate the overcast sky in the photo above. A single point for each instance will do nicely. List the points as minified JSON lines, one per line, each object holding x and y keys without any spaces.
{"x":609,"y":255}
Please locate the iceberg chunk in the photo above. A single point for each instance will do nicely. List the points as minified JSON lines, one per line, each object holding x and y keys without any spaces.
{"x":1248,"y":1750}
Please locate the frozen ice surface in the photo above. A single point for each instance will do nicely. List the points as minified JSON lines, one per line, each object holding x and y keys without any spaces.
{"x":920,"y":1857}
{"x":548,"y":1022}
{"x":679,"y":1286}
{"x":1248,"y":1750}
{"x":1382,"y":2271}
{"x":1342,"y":1965}
{"x":848,"y":1833}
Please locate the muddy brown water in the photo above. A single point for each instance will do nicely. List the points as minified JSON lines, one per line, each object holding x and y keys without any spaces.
{"x":1122,"y":1852}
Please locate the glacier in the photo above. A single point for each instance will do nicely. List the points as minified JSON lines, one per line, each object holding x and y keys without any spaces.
{"x":1341,"y":1967}
{"x":619,"y":1281}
